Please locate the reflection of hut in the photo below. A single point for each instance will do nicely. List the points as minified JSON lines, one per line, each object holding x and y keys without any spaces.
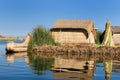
{"x":116,"y":66}
{"x":71,"y":76}
{"x":73,"y":31}
{"x":73,"y":64}
{"x":116,"y":35}
{"x":73,"y":69}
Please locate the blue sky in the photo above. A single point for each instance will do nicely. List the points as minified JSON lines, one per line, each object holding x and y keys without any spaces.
{"x":18,"y":17}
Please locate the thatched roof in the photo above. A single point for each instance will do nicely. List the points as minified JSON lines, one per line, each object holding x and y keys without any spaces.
{"x":115,"y":29}
{"x":87,"y":25}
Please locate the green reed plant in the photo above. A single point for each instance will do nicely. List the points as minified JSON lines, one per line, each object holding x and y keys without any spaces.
{"x":40,"y":36}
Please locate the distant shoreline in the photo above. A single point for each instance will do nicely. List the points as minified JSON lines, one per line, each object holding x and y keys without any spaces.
{"x":11,"y":38}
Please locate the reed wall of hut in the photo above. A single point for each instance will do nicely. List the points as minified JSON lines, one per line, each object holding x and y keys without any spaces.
{"x":116,"y":38}
{"x":116,"y":35}
{"x":73,"y":31}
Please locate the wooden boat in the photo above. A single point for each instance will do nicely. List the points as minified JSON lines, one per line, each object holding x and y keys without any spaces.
{"x":18,"y":47}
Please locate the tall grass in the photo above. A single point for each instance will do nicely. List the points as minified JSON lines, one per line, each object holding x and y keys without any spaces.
{"x":40,"y":36}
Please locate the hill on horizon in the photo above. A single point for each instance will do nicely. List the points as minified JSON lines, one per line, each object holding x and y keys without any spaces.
{"x":6,"y":37}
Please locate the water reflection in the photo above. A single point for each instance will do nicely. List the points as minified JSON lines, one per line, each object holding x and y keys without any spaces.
{"x":82,"y":69}
{"x":116,"y":66}
{"x":69,"y":68}
{"x":73,"y":69}
{"x":111,"y":66}
{"x":10,"y":57}
{"x":108,"y":69}
{"x":40,"y":64}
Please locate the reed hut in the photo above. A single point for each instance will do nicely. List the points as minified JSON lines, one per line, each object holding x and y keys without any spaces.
{"x":73,"y":32}
{"x":116,"y":35}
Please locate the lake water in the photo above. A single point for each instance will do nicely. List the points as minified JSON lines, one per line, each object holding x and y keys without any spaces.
{"x":19,"y":66}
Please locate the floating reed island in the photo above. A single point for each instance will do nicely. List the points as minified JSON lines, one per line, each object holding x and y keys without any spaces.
{"x":101,"y":51}
{"x":73,"y":43}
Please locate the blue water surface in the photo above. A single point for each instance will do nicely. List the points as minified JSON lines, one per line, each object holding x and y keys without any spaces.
{"x":17,"y":68}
